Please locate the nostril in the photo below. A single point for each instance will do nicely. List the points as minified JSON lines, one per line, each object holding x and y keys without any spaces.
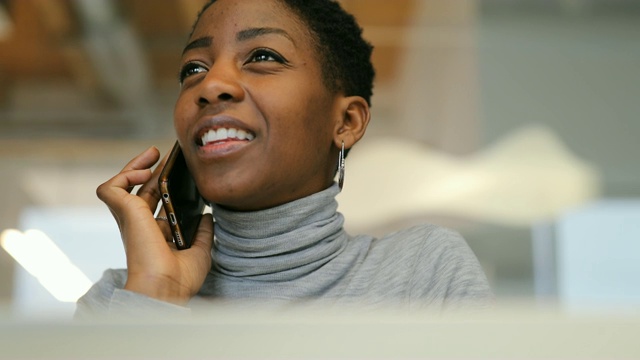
{"x":202,"y":101}
{"x":225,"y":96}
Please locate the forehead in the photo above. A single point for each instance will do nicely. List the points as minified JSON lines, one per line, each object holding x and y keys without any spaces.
{"x":228,"y":17}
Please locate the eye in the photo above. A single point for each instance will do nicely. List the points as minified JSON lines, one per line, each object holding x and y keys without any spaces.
{"x":265,"y":55}
{"x":190,"y":69}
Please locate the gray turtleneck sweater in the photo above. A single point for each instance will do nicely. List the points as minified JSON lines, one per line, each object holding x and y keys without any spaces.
{"x":299,"y":252}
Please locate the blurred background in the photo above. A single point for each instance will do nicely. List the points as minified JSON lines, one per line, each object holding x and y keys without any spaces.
{"x":514,"y":122}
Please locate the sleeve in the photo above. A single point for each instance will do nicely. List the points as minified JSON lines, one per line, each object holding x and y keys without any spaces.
{"x":107,"y":299}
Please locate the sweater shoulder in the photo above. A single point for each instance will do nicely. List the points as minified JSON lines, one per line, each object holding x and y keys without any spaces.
{"x":416,"y":249}
{"x":430,"y":262}
{"x":430,"y":237}
{"x":432,"y":246}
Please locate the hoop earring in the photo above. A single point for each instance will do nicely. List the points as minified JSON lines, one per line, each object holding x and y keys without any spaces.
{"x":341,"y":167}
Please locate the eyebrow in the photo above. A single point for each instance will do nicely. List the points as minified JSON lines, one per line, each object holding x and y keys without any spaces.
{"x":243,"y":35}
{"x":198,"y":43}
{"x":251,"y":33}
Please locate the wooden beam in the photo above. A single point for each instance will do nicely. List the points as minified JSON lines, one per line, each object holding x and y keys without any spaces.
{"x":28,"y":52}
{"x":56,"y":18}
{"x":381,"y":12}
{"x":393,"y":17}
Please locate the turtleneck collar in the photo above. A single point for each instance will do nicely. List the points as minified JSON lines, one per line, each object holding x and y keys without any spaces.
{"x":281,"y":243}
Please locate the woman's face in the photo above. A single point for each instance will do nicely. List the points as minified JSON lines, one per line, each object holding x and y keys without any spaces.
{"x":253,"y":117}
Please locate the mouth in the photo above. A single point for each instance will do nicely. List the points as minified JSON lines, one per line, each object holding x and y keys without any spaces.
{"x":224,"y":135}
{"x":221,"y":136}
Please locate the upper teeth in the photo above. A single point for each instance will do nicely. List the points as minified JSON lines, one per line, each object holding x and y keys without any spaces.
{"x":225,"y":133}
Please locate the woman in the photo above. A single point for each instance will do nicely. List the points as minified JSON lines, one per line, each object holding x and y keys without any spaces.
{"x":294,"y":77}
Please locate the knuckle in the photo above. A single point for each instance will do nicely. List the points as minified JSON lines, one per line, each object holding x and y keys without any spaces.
{"x":101,"y":190}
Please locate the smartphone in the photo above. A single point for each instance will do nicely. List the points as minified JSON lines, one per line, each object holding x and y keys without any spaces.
{"x":181,"y":200}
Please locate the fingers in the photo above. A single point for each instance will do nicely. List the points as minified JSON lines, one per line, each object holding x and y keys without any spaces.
{"x":143,"y":161}
{"x":136,"y":172}
{"x":115,"y":192}
{"x":150,"y":191}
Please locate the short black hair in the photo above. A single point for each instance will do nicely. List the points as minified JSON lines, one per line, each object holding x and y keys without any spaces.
{"x":347,"y":63}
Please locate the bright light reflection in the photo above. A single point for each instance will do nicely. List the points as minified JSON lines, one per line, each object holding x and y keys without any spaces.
{"x":40,"y":256}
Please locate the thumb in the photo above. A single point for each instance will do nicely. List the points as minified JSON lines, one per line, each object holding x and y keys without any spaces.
{"x":204,"y":235}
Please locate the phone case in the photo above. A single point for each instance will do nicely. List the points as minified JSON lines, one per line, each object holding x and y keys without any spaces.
{"x":181,"y":200}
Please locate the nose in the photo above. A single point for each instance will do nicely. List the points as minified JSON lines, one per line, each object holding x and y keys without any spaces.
{"x":220,"y":84}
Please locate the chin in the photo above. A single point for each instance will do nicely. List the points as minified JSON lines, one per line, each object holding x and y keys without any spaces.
{"x":231,"y":197}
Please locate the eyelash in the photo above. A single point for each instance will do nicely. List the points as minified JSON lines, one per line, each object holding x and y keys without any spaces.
{"x":266,"y":55}
{"x":190,"y":68}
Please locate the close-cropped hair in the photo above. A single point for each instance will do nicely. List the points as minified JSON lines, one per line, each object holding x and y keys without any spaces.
{"x":346,"y":64}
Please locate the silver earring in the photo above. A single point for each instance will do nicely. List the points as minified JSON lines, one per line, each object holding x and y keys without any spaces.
{"x":341,"y":167}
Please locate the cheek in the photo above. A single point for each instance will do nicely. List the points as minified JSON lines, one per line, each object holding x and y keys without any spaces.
{"x":304,"y":133}
{"x":301,"y":125}
{"x":316,"y":118}
{"x":181,"y":112}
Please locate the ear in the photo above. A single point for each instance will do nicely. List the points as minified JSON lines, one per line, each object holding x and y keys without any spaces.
{"x":355,"y":116}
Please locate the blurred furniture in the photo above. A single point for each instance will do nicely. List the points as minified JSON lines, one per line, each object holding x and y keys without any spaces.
{"x":590,"y":257}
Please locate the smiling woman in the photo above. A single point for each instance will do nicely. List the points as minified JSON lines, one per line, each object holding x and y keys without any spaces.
{"x":273,"y":94}
{"x":259,"y":75}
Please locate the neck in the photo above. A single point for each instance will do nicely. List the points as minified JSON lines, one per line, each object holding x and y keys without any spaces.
{"x":286,"y":241}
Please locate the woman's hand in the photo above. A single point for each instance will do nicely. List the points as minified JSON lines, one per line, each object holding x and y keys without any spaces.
{"x":155,"y":267}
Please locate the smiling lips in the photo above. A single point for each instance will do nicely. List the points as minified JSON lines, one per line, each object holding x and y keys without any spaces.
{"x":225,"y":134}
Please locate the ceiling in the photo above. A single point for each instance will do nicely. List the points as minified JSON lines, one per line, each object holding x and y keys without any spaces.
{"x":109,"y":68}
